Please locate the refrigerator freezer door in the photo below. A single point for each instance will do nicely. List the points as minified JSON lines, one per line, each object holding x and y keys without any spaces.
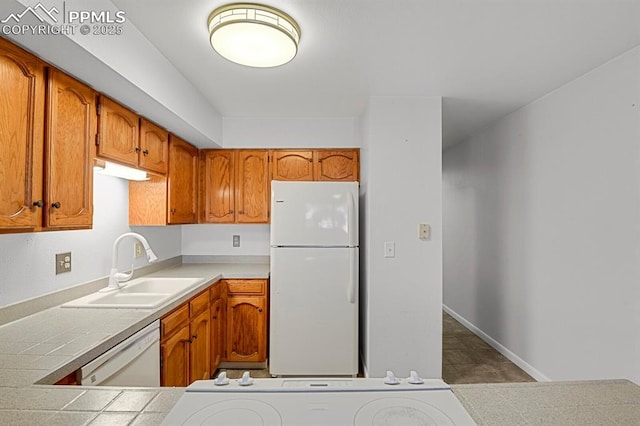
{"x":314,"y":311}
{"x":306,"y":214}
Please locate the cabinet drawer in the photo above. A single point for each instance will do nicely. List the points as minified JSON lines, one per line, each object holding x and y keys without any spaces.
{"x":172,"y":321}
{"x":199,"y":303}
{"x":215,"y":291}
{"x":246,"y":286}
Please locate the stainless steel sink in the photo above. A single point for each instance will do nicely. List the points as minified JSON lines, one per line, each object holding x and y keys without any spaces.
{"x":141,"y":293}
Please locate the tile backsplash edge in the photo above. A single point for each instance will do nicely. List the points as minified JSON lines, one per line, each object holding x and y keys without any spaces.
{"x":31,"y":306}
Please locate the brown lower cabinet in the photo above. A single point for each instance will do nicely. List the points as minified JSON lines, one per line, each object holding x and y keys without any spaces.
{"x":227,"y":322}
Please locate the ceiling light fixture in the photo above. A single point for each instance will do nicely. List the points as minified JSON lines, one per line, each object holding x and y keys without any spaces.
{"x":253,"y":34}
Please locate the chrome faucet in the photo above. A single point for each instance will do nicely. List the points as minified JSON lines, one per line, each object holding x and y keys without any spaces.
{"x":115,"y":277}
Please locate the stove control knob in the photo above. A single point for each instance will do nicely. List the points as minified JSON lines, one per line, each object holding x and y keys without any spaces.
{"x":391,"y":378}
{"x":414,"y":378}
{"x":246,"y":379}
{"x":221,"y":380}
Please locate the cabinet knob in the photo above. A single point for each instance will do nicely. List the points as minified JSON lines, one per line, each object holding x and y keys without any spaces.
{"x":195,"y":336}
{"x":38,"y":203}
{"x":259,"y":309}
{"x":214,"y":317}
{"x":137,"y":149}
{"x":56,"y":205}
{"x":240,"y":212}
{"x":173,"y":211}
{"x":311,"y":160}
{"x":230,"y":211}
{"x":145,"y":152}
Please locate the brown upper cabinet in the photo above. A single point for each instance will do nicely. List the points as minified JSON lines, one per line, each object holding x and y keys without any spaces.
{"x":319,"y":165}
{"x":336,"y":165}
{"x":217,"y":197}
{"x":47,"y":134}
{"x":235,"y":186}
{"x":118,"y":133}
{"x":171,"y":199}
{"x":291,"y":165}
{"x":252,"y":186}
{"x":154,"y":147}
{"x":125,"y":138}
{"x":22,"y":101}
{"x":69,"y":151}
{"x":182,"y":182}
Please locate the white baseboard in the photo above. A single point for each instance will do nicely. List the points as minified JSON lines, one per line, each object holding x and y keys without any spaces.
{"x":529,"y":369}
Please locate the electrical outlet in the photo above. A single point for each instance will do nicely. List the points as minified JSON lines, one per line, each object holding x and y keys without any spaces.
{"x":236,"y":240}
{"x":63,"y":262}
{"x":138,"y":250}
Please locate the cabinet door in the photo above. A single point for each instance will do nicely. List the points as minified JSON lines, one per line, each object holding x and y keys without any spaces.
{"x":252,"y":192}
{"x":291,"y":165}
{"x":70,"y":138}
{"x":22,"y":88}
{"x":218,"y":190}
{"x":337,"y":165}
{"x":246,"y":328}
{"x":200,"y":355}
{"x":154,"y":147}
{"x":175,"y":359}
{"x":183,"y":182}
{"x":118,"y":133}
{"x":217,"y":322}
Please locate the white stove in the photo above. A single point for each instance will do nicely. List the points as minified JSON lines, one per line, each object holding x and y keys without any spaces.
{"x":319,"y":401}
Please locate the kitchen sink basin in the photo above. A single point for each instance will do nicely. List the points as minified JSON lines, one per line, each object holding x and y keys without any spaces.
{"x":121,"y":300}
{"x":159,"y":285}
{"x":141,"y":293}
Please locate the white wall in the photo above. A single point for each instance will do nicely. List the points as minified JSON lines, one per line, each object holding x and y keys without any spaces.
{"x":402,"y":187}
{"x":217,"y":239}
{"x":291,"y":132}
{"x":27,"y":263}
{"x":542,"y":228}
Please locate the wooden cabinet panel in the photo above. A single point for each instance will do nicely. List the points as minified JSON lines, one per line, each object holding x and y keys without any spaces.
{"x":148,"y":201}
{"x":218,"y":189}
{"x":183,"y":182}
{"x":199,"y":352}
{"x":22,"y":93}
{"x":154,"y":147}
{"x":336,"y":165}
{"x":118,"y":133}
{"x":246,"y":328}
{"x":292,"y":165}
{"x":174,"y":320}
{"x":174,"y":353}
{"x":217,"y":333}
{"x":199,"y":303}
{"x":69,"y":151}
{"x":247,"y":286}
{"x":252,"y":182}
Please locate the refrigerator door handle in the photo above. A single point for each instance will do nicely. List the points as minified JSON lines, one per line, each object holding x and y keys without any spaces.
{"x":352,"y":220}
{"x":353,"y":276}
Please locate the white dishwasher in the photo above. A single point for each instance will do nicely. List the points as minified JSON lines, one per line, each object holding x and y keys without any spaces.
{"x":133,"y":362}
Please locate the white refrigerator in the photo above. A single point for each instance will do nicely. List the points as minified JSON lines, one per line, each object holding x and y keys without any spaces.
{"x":314,"y":279}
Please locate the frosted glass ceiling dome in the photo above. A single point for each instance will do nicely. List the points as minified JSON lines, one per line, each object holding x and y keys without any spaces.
{"x":254,"y":35}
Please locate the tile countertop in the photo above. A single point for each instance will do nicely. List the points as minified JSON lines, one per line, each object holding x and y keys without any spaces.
{"x":42,"y":348}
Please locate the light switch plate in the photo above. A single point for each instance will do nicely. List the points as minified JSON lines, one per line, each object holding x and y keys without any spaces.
{"x":63,"y":262}
{"x":424,"y":231}
{"x":236,"y":240}
{"x":389,"y":249}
